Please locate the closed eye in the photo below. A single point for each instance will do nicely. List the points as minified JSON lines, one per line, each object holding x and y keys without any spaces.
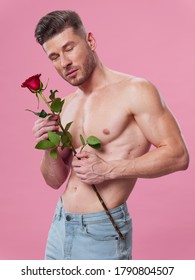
{"x":69,"y":48}
{"x":53,"y":57}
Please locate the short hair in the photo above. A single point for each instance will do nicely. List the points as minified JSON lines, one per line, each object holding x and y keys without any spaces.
{"x":55,"y":22}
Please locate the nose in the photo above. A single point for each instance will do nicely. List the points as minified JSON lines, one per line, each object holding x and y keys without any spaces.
{"x":65,"y":61}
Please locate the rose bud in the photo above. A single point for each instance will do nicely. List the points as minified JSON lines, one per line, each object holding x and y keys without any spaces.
{"x":33,"y":83}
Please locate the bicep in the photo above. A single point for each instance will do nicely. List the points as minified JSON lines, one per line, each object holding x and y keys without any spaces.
{"x":160,"y":129}
{"x":155,"y":120}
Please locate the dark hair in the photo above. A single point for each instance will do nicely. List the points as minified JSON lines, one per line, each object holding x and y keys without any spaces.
{"x":55,"y":22}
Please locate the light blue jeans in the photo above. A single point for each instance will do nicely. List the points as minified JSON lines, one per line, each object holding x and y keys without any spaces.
{"x":89,"y":236}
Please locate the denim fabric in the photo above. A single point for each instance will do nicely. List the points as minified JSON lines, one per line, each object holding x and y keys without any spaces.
{"x":89,"y":236}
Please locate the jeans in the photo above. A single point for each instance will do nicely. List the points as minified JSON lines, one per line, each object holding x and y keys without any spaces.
{"x":89,"y":236}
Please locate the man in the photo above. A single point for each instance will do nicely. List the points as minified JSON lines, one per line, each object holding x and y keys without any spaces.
{"x":128,"y":115}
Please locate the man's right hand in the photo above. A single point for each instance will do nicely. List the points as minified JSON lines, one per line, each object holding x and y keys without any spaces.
{"x":42,"y":126}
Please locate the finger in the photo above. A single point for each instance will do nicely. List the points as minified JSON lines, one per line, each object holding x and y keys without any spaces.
{"x":54,"y":117}
{"x":43,"y":137}
{"x":81,"y":176}
{"x":78,"y":171}
{"x":39,"y":120}
{"x":77,"y":163}
{"x":43,"y":134}
{"x":48,"y":118}
{"x":39,"y":125}
{"x":45,"y":130}
{"x":49,"y":125}
{"x":82,"y":155}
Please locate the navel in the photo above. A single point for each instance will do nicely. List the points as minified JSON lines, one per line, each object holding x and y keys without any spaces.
{"x":106,"y":131}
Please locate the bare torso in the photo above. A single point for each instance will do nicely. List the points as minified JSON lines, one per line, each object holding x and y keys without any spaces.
{"x":106,"y":114}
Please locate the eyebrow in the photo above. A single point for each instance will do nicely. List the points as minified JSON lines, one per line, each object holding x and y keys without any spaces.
{"x":63,"y":47}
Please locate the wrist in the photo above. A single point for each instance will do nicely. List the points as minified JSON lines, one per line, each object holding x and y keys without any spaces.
{"x":120,"y":169}
{"x":112,"y":170}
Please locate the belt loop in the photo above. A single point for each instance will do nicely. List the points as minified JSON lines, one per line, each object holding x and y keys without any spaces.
{"x":61,"y":207}
{"x":124,"y":212}
{"x":60,"y":213}
{"x":81,"y":222}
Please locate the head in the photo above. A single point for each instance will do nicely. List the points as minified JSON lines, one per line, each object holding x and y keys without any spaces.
{"x":65,"y":41}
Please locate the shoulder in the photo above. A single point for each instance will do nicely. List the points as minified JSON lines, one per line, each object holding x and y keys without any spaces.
{"x":141,"y":85}
{"x":138,"y":93}
{"x":134,"y":84}
{"x":143,"y":95}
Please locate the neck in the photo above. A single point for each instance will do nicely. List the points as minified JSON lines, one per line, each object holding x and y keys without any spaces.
{"x":97,"y":80}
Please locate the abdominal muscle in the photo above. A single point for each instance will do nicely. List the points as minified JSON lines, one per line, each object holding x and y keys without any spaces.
{"x":81,"y":198}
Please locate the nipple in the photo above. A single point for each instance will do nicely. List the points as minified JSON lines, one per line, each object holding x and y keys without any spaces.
{"x":106,"y":131}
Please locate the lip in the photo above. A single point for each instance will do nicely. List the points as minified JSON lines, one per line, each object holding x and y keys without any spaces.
{"x":71,"y":73}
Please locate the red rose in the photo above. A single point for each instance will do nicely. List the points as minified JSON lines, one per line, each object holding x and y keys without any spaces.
{"x":33,"y":83}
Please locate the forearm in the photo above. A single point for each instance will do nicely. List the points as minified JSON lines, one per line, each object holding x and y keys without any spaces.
{"x":156,"y":163}
{"x":54,"y":171}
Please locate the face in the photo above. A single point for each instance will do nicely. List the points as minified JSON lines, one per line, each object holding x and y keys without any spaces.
{"x":72,"y":56}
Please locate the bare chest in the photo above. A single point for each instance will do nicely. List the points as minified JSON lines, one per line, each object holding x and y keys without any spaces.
{"x":103,"y":116}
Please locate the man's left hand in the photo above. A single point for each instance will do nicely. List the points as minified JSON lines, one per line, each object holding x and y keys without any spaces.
{"x":91,"y":169}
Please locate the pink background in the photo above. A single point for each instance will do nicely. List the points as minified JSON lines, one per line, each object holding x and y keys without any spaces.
{"x":152,"y":39}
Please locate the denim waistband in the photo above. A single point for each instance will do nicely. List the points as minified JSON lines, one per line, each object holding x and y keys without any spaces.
{"x":116,"y":212}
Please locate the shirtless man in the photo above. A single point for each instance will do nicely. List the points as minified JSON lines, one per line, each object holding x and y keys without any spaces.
{"x":128,"y":115}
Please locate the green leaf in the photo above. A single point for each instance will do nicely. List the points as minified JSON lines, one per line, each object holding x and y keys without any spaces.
{"x":69,"y":136}
{"x":44,"y":145}
{"x":65,"y":140}
{"x":56,"y":105}
{"x":52,"y":95}
{"x":94,"y":142}
{"x":59,"y":133}
{"x":41,"y":114}
{"x":54,"y":154}
{"x":54,"y":138}
{"x":68,"y":126}
{"x":82,"y":140}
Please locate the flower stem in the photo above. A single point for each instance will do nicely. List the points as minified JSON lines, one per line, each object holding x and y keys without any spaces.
{"x":83,"y":147}
{"x":44,"y":99}
{"x":107,"y":212}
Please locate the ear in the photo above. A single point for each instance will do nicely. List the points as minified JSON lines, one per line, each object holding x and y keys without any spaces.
{"x":91,"y":41}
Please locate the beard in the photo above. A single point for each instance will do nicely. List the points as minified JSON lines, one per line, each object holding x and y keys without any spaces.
{"x":86,"y":71}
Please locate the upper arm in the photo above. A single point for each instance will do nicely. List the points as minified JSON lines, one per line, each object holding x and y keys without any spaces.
{"x":66,"y":156}
{"x":154,"y":118}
